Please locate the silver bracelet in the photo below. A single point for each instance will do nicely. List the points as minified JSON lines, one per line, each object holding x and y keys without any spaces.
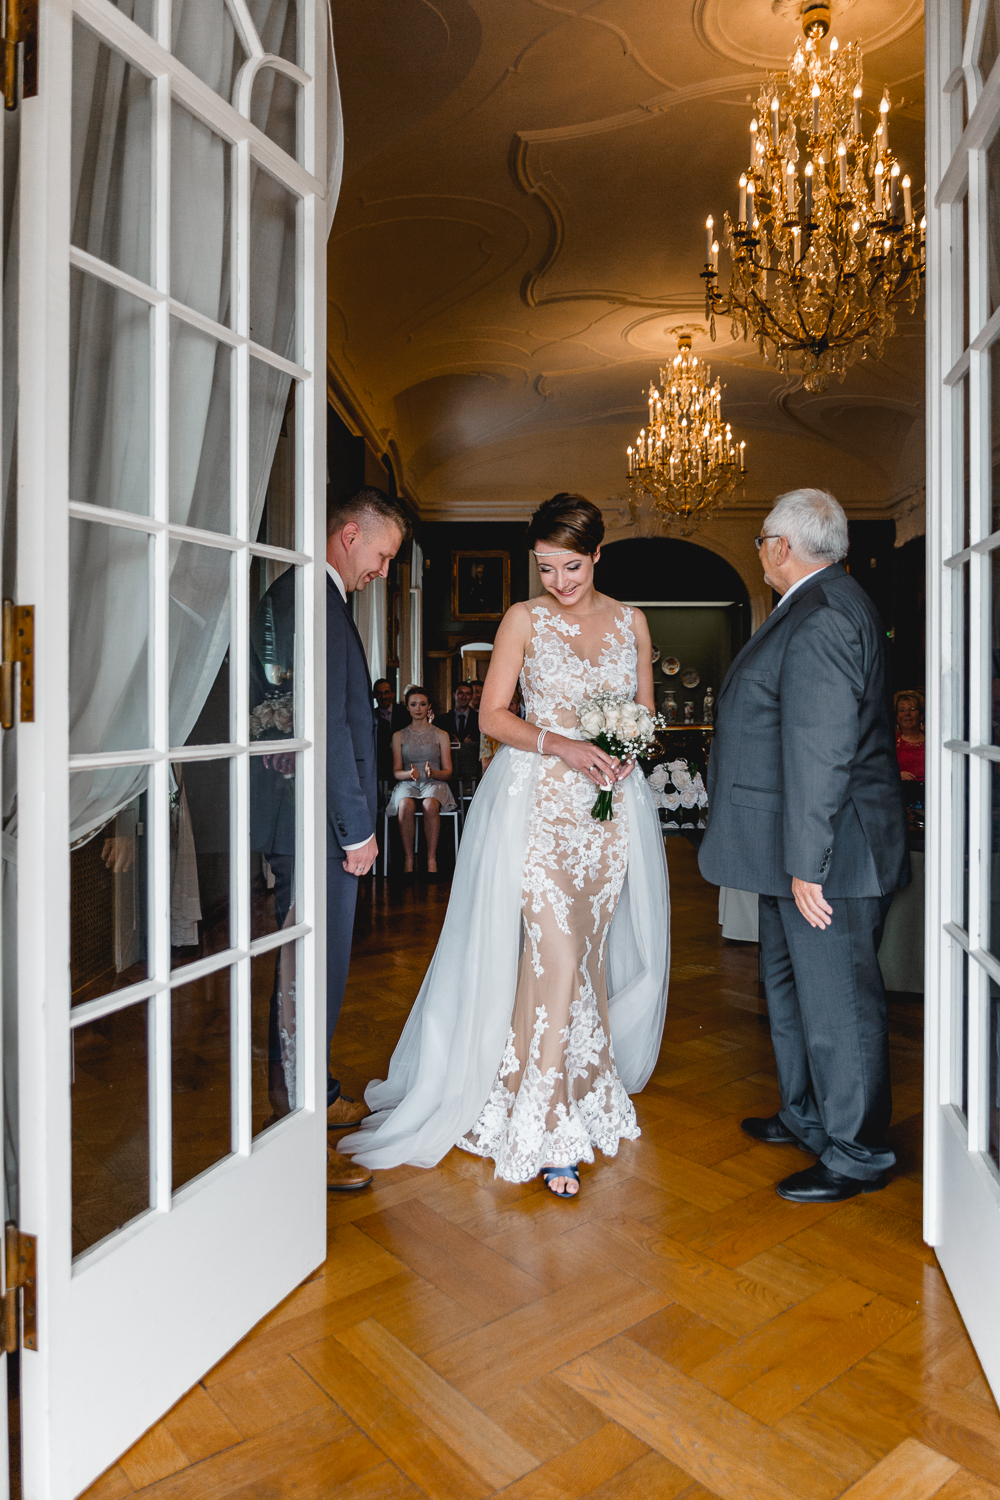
{"x":541,"y":735}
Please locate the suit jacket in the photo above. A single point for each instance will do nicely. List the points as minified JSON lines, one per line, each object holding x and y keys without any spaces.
{"x":351,"y":786}
{"x":384,"y":731}
{"x":351,"y":781}
{"x":803,"y":778}
{"x":447,"y":723}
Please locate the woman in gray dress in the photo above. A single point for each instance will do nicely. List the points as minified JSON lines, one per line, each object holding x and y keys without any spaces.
{"x":421,"y":764}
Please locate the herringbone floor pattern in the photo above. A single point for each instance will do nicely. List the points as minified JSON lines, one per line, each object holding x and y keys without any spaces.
{"x":677,"y":1333}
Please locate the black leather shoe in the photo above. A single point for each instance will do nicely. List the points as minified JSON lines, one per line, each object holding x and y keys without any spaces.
{"x":772,"y":1132}
{"x":819,"y":1185}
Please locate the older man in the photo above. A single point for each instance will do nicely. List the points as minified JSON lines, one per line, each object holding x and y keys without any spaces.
{"x":806,"y":808}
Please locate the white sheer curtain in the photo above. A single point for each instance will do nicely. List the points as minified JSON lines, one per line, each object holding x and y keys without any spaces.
{"x":110,"y":372}
{"x":369,"y":616}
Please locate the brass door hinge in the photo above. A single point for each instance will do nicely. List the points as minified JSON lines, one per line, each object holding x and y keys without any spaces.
{"x":19,"y":1279}
{"x":18,"y":645}
{"x":20,"y":32}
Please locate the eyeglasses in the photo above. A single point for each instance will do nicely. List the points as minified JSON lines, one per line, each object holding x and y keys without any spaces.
{"x":759,"y":541}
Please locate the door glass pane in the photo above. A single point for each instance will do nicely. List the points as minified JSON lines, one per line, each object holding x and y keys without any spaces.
{"x":200,"y":865}
{"x":963,"y":462}
{"x":200,"y":628}
{"x":995,"y":415}
{"x":274,"y":259}
{"x":990,"y":44}
{"x":109,"y":1099}
{"x":206,"y":41}
{"x":274,"y":109}
{"x":993,"y":1107}
{"x":276,"y":1090}
{"x":110,"y":394}
{"x":274,"y":429}
{"x":108,"y":865}
{"x":108,"y":644}
{"x":272,"y":843}
{"x":200,"y":215}
{"x":280,"y":32}
{"x":992,"y":225}
{"x":142,"y":12}
{"x":200,"y":429}
{"x":201,"y":1074}
{"x":112,"y":157}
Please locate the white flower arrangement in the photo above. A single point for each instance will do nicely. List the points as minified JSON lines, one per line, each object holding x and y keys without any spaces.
{"x":622,"y":728}
{"x":272,"y":718}
{"x":678,"y":789}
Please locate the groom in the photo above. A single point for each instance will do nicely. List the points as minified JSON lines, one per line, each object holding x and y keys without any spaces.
{"x":806,"y":808}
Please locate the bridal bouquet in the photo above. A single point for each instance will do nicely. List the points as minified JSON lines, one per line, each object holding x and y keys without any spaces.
{"x":621,"y":728}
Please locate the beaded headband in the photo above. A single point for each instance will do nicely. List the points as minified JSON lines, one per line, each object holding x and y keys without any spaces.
{"x":564,"y":553}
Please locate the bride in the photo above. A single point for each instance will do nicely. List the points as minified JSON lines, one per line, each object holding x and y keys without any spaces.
{"x":544,"y":1003}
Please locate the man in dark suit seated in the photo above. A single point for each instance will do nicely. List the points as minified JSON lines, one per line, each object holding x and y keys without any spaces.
{"x":806,"y":808}
{"x":363,"y":535}
{"x":389,"y":716}
{"x":462,"y":724}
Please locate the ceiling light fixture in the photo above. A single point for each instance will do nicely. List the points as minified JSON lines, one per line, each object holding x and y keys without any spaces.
{"x":686,"y":460}
{"x":821,"y":257}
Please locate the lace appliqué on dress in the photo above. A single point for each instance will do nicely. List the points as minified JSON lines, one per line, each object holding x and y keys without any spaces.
{"x":557,"y":1096}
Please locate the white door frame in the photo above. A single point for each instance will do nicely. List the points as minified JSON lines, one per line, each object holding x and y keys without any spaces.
{"x":961,"y":1178}
{"x":130,"y":1325}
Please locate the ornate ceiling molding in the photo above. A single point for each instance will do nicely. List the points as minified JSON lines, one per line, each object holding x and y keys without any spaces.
{"x":710,"y":29}
{"x":531,"y":292}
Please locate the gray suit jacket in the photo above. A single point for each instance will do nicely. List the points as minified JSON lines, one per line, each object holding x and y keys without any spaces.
{"x":803,"y":778}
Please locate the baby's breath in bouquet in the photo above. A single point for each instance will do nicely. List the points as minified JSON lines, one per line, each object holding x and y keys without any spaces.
{"x":621,"y":728}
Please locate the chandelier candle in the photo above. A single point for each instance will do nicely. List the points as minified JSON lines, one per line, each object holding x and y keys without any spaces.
{"x":840,"y":245}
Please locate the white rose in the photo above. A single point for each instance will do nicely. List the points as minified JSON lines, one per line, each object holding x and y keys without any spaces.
{"x":682,"y":779}
{"x":671,"y":800}
{"x":645,"y":723}
{"x":689,"y":797}
{"x":658,"y":777}
{"x":627,"y":730}
{"x":631,"y":710}
{"x":612,"y":716}
{"x":592,"y":722}
{"x":677,"y":765}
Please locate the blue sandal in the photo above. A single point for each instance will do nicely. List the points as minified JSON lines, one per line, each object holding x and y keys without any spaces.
{"x":549,"y":1174}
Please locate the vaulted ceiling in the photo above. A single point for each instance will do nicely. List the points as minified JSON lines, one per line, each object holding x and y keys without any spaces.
{"x":521,"y":226}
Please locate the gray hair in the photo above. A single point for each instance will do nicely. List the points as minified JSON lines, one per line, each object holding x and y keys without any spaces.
{"x":813,"y":523}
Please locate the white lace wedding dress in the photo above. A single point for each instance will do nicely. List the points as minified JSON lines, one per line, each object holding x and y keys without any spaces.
{"x":544,"y":1004}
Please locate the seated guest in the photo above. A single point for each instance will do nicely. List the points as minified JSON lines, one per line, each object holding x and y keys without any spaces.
{"x":910,"y":734}
{"x":389,"y":716}
{"x":421,"y":761}
{"x":462,"y":722}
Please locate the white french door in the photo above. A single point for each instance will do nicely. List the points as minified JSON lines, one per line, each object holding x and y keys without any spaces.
{"x":171,"y":445}
{"x":962,"y":1132}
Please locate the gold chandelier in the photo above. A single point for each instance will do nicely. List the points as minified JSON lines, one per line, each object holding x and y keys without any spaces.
{"x":824,"y":252}
{"x":686,"y":460}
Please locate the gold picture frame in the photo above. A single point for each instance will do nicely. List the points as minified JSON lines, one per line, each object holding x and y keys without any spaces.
{"x":480,"y":585}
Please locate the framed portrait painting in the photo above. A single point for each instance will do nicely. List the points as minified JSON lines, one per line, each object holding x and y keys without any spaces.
{"x":480,"y":585}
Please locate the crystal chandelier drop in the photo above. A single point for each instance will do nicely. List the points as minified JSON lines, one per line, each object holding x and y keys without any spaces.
{"x":825,"y":246}
{"x":686,"y":460}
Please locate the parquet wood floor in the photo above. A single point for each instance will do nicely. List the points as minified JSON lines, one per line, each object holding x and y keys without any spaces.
{"x":678,"y":1332}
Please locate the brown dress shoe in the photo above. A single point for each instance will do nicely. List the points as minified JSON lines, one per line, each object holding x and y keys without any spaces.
{"x":342,"y":1175}
{"x":344,"y":1112}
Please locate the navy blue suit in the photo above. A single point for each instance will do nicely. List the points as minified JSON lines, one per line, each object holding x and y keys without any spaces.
{"x":351,"y":785}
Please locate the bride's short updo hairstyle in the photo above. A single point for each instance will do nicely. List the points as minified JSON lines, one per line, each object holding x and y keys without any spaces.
{"x":567,"y":521}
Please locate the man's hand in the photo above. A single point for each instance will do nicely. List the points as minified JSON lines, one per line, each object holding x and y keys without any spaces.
{"x":360,"y":861}
{"x":809,"y":900}
{"x":283,"y":763}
